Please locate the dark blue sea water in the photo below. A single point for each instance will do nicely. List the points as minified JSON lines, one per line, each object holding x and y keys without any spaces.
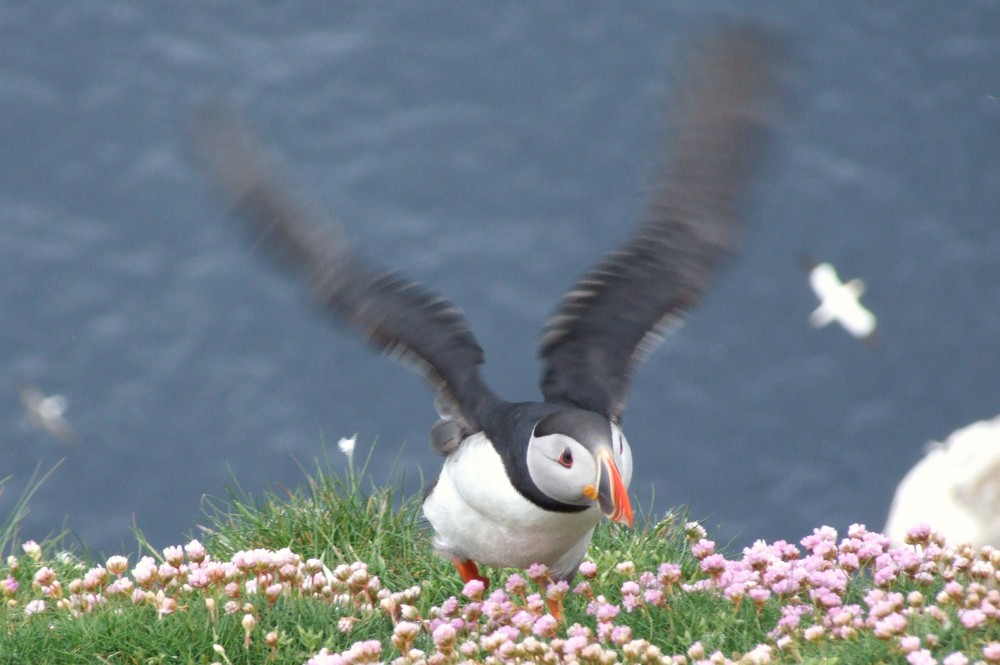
{"x":493,"y":151}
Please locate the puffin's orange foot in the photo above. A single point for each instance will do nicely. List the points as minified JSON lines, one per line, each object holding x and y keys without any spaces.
{"x":470,"y":571}
{"x":555,"y":609}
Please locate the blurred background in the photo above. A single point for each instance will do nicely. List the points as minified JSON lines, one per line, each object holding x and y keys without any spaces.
{"x":494,"y":152}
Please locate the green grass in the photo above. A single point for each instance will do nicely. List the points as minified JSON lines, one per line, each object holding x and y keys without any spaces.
{"x":17,"y":512}
{"x":332,"y":518}
{"x":337,"y":520}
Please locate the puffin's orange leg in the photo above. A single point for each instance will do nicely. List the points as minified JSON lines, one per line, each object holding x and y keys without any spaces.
{"x":555,"y":609}
{"x":469,"y":571}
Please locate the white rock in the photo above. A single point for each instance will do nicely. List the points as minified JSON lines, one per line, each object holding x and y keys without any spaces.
{"x":955,"y":488}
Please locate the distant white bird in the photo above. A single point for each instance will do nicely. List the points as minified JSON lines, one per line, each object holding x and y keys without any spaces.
{"x":955,"y":488}
{"x":47,"y":412}
{"x":838,"y":301}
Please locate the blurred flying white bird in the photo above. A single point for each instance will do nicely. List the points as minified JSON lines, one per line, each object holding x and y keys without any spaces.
{"x":46,"y":412}
{"x":838,"y":301}
{"x":955,"y":488}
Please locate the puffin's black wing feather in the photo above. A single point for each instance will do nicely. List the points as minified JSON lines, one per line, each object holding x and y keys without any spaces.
{"x":616,"y":312}
{"x":396,"y":315}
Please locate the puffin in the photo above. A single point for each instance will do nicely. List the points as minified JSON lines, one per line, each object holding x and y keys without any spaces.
{"x":526,"y":482}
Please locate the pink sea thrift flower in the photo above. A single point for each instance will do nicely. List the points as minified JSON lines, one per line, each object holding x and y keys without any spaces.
{"x":164,"y":604}
{"x":44,"y":576}
{"x":557,"y":590}
{"x":892,"y":624}
{"x":474,"y":590}
{"x":523,"y":621}
{"x":34,"y":607}
{"x":603,"y":610}
{"x":814,"y":633}
{"x":991,"y":652}
{"x":346,"y":624}
{"x":32,"y":549}
{"x":120,"y":587}
{"x":534,"y":603}
{"x":625,"y":568}
{"x":515,"y":585}
{"x":955,"y":658}
{"x":668,"y":574}
{"x":654,"y":597}
{"x":449,"y":607}
{"x":759,"y":596}
{"x":848,"y":561}
{"x":630,"y":602}
{"x":117,"y":564}
{"x":196,"y":551}
{"x":538,"y":573}
{"x":919,"y":534}
{"x":909,"y":643}
{"x":714,"y":564}
{"x":369,"y":651}
{"x":822,"y":543}
{"x":588,"y":569}
{"x":166,"y":572}
{"x":759,"y":655}
{"x":324,"y":657}
{"x":694,"y":531}
{"x":791,"y":615}
{"x":702,"y":548}
{"x":95,"y":578}
{"x":972,"y":619}
{"x":921,"y":657}
{"x":145,"y":571}
{"x":173,"y":555}
{"x":621,"y":635}
{"x":198,"y":578}
{"x":826,"y":598}
{"x":404,"y":634}
{"x":273,"y":591}
{"x":575,"y":644}
{"x":545,"y":626}
{"x":444,"y":638}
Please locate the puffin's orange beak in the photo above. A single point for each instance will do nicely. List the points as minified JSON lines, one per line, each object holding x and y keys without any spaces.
{"x":612,"y":496}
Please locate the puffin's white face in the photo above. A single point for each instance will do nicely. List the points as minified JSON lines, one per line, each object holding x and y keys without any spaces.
{"x":562,"y":468}
{"x":579,"y":458}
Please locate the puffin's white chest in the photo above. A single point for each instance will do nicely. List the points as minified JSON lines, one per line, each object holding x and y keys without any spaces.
{"x":477,"y":514}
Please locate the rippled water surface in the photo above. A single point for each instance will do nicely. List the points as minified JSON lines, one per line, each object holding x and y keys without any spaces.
{"x":494,"y":152}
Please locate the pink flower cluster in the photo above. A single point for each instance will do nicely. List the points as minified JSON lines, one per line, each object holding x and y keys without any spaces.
{"x":190,"y":572}
{"x":512,"y":624}
{"x":814,"y":589}
{"x":828,"y":590}
{"x":925,"y":602}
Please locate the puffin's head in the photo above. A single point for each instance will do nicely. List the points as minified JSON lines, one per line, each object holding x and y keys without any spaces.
{"x":578,"y":458}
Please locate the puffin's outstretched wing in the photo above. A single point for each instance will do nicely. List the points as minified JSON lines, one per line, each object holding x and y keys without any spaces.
{"x":397,"y":316}
{"x":618,"y":311}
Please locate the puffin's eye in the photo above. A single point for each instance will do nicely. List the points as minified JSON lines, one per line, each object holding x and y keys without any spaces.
{"x":566,"y":459}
